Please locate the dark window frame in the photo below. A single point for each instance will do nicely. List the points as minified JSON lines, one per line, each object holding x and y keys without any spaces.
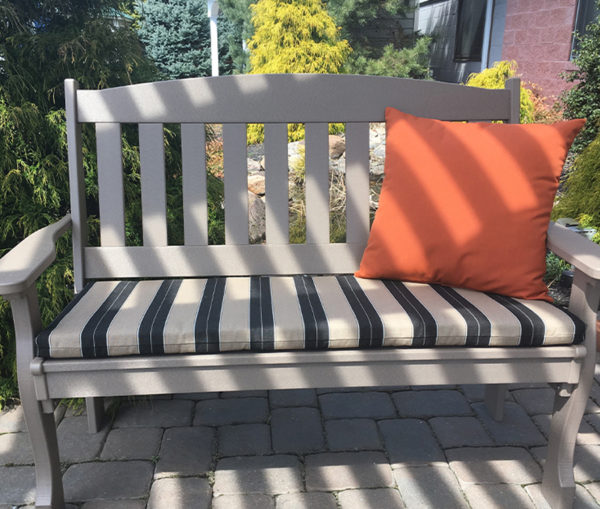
{"x":470,"y":30}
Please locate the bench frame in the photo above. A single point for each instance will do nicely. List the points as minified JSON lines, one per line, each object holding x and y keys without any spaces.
{"x":570,"y":369}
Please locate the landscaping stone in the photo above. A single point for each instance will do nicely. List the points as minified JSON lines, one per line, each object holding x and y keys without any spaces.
{"x":425,"y":404}
{"x":12,"y":420}
{"x":258,"y":474}
{"x":15,"y":449}
{"x":17,"y":485}
{"x":376,"y":405}
{"x":587,"y":434}
{"x":185,"y":451}
{"x":244,"y":440}
{"x":256,"y":183}
{"x":246,"y":501}
{"x":431,"y":486}
{"x":352,"y":435}
{"x":494,"y":465}
{"x":293,"y":397}
{"x":75,"y":443}
{"x":387,"y":498}
{"x":297,"y":430}
{"x":305,"y":501}
{"x":498,"y":496}
{"x":190,"y":492}
{"x":337,"y":146}
{"x":410,"y":442}
{"x":344,"y":470}
{"x":586,"y":459}
{"x":221,"y":412}
{"x":155,"y":413}
{"x":110,"y":480}
{"x":256,"y":218}
{"x":459,"y":432}
{"x":516,"y":428}
{"x":132,"y":444}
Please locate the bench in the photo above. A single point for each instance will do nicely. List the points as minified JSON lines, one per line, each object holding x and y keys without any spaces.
{"x":161,"y":319}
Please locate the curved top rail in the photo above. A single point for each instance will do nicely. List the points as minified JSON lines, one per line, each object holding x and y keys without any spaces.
{"x":289,"y":98}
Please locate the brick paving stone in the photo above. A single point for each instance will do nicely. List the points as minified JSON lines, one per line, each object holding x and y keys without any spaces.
{"x":586,"y":435}
{"x":258,"y":474}
{"x":593,"y":420}
{"x":313,"y":500}
{"x":494,"y":465}
{"x":197,"y":396}
{"x":376,"y":405}
{"x":516,"y":428}
{"x":12,"y":420}
{"x":410,"y":442}
{"x":185,"y":451}
{"x":344,"y":470}
{"x":132,"y":444}
{"x":245,"y":501}
{"x":476,"y":392}
{"x":17,"y":485}
{"x":221,"y":412}
{"x":431,"y":387}
{"x":75,"y":443}
{"x":595,"y":394}
{"x":541,"y":401}
{"x":583,"y":499}
{"x":586,"y":460}
{"x":327,"y":390}
{"x":431,"y":403}
{"x":498,"y":496}
{"x":594,"y":489}
{"x":244,"y":440}
{"x":352,"y":435}
{"x":431,"y":486}
{"x":293,"y":397}
{"x":387,"y":498}
{"x":459,"y":432}
{"x":189,"y":492}
{"x":15,"y":449}
{"x":109,"y":480}
{"x":297,"y":430}
{"x":115,"y":504}
{"x":155,"y":414}
{"x":244,"y":394}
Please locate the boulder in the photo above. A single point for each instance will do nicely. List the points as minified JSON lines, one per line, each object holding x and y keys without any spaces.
{"x":253,"y":165}
{"x":337,"y":146}
{"x":256,"y":218}
{"x":256,"y":183}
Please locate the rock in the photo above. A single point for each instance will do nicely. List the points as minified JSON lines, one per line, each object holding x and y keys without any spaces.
{"x":256,"y":218}
{"x":337,"y":146}
{"x":254,"y":165}
{"x":295,"y":148}
{"x":256,"y":184}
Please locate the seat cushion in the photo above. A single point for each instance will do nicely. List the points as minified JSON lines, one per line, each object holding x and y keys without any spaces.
{"x":155,"y":317}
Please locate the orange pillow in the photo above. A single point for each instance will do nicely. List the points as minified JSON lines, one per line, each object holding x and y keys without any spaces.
{"x":467,"y":205}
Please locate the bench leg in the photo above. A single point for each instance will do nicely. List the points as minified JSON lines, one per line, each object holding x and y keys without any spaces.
{"x":40,"y":425}
{"x":95,"y":414}
{"x":494,"y":400}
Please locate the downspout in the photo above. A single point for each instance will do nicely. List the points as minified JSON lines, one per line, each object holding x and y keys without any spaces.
{"x":213,"y":12}
{"x":487,"y":34}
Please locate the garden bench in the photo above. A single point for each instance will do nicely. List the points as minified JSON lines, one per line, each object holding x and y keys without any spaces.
{"x":162,"y":319}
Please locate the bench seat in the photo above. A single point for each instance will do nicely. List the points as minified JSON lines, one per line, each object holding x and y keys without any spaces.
{"x":262,"y":313}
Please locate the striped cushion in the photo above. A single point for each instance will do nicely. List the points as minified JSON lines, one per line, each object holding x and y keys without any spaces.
{"x":112,"y":318}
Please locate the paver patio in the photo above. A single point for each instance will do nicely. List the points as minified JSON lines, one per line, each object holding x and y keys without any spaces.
{"x":398,"y":447}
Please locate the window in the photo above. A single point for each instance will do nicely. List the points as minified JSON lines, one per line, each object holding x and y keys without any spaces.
{"x":470,"y":25}
{"x":587,"y":11}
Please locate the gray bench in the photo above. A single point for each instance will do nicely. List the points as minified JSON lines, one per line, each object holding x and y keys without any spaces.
{"x":160,"y":319}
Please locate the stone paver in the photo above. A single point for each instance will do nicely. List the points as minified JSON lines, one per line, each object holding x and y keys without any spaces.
{"x":587,"y":461}
{"x":244,"y":440}
{"x":295,"y":397}
{"x":75,"y":443}
{"x":431,"y":403}
{"x":516,"y":428}
{"x":306,"y":501}
{"x":190,"y":492}
{"x":132,"y":444}
{"x":185,"y":451}
{"x":587,"y":434}
{"x":155,"y":413}
{"x":111,"y":480}
{"x":494,"y":465}
{"x":344,"y":470}
{"x":115,"y":504}
{"x":258,"y":474}
{"x":459,"y":432}
{"x":498,"y":496}
{"x":15,"y":449}
{"x":197,"y":396}
{"x":541,"y":401}
{"x":352,"y":435}
{"x":431,"y":486}
{"x":222,"y":412}
{"x":376,"y":405}
{"x":12,"y":420}
{"x":410,"y":442}
{"x":244,"y":394}
{"x":583,"y":499}
{"x":245,"y":501}
{"x":387,"y":498}
{"x":17,"y":485}
{"x":594,"y":489}
{"x":296,"y":430}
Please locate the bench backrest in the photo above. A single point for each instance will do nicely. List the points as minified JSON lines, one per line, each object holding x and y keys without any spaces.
{"x":234,"y":101}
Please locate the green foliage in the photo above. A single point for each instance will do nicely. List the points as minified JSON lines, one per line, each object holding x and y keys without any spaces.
{"x":554,"y":268}
{"x":496,"y":76}
{"x":583,"y":99}
{"x":238,"y":13}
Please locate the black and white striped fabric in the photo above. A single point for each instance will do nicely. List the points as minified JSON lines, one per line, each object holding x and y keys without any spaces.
{"x":113,"y":318}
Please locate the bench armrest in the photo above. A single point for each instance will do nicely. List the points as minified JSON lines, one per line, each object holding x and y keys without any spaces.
{"x":575,"y":249}
{"x":23,"y":264}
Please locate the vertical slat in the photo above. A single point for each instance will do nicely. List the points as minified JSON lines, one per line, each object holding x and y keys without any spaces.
{"x":317,"y":183}
{"x":235,"y":170}
{"x":76,"y":183}
{"x":276,"y":184}
{"x":154,"y":195}
{"x":514,"y":86}
{"x":357,"y":182}
{"x":110,"y":184}
{"x":193,"y":155}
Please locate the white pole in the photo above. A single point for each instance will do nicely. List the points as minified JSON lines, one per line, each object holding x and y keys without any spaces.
{"x":213,"y":12}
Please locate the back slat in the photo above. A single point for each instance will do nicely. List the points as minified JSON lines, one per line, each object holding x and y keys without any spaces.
{"x":193,"y":155}
{"x":154,"y":195}
{"x":357,"y":182}
{"x":110,"y":185}
{"x":317,"y":184}
{"x":235,"y":170}
{"x":277,"y":193}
